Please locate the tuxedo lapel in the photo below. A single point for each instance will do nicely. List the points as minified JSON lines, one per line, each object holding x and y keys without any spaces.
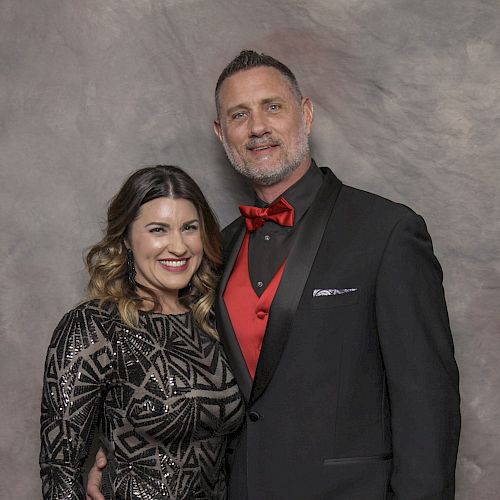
{"x":224,"y":325}
{"x":297,"y":269}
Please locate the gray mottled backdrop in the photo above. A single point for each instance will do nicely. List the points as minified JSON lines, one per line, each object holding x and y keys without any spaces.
{"x":407,"y":97}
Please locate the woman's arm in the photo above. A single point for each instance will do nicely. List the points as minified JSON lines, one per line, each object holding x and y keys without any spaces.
{"x":77,"y":365}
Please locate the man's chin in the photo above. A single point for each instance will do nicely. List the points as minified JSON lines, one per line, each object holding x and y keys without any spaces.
{"x":265,"y":177}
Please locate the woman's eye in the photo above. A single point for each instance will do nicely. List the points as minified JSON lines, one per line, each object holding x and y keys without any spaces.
{"x":191,"y":227}
{"x":157,"y":230}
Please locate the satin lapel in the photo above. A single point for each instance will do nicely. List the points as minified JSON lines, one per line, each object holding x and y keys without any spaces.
{"x":297,"y":269}
{"x":224,"y":325}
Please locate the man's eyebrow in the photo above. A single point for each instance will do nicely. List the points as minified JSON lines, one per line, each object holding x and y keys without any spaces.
{"x":244,"y":105}
{"x":232,"y":109}
{"x":267,"y":100}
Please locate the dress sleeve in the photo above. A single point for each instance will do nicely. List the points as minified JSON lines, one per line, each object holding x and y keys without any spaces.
{"x":76,"y":368}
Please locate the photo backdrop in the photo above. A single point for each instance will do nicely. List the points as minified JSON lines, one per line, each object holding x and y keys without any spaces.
{"x":407,"y":101}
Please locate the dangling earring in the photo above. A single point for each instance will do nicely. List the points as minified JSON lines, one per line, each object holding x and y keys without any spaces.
{"x":131,"y":270}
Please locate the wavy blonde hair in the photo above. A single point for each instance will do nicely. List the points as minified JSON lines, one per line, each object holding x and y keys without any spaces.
{"x":107,"y":260}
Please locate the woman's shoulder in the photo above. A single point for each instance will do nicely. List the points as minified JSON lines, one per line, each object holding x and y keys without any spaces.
{"x":88,"y":315}
{"x":83,"y":333}
{"x":93,"y":308}
{"x":96,"y":306}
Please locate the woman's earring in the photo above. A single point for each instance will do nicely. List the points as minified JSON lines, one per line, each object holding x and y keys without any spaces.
{"x":131,"y":270}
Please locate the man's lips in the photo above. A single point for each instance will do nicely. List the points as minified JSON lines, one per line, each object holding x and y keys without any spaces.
{"x":258,"y":148}
{"x":175,"y":265}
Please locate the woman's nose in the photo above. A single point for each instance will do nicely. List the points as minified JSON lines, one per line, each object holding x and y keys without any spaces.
{"x":176,"y":244}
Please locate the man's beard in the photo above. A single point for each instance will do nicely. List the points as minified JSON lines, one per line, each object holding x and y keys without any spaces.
{"x":271,"y":176}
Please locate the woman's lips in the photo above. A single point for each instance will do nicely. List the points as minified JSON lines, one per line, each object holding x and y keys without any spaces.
{"x":174,"y":265}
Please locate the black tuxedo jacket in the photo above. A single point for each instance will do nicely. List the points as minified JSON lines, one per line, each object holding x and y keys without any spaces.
{"x":355,"y":396}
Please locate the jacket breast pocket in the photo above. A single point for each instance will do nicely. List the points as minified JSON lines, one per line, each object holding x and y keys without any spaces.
{"x":334,"y":298}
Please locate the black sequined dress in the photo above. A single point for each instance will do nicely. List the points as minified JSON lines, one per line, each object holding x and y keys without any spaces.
{"x":162,"y":394}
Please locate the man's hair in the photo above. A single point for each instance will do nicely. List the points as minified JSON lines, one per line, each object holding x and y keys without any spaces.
{"x":249,"y":59}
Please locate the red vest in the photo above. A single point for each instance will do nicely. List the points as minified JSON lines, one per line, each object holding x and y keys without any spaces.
{"x":249,"y":312}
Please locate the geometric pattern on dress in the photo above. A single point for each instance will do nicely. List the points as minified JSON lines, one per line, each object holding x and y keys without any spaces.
{"x":162,"y":395}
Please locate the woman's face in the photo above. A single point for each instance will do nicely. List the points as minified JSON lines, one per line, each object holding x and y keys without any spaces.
{"x":165,"y":239}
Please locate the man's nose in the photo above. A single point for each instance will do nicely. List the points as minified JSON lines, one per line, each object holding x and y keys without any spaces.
{"x":258,"y":124}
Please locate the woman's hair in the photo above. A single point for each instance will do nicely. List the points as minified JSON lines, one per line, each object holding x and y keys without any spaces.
{"x":107,"y":260}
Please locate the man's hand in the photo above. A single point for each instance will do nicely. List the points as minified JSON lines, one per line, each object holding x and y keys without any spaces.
{"x":94,"y":480}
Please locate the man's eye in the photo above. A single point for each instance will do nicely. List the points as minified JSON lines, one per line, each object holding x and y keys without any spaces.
{"x":239,"y":115}
{"x":274,"y":107}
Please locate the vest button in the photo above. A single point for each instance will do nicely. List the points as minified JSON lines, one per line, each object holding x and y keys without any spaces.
{"x":254,"y":416}
{"x":261,"y":314}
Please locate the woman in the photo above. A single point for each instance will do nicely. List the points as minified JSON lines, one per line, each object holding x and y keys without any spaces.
{"x":141,"y":357}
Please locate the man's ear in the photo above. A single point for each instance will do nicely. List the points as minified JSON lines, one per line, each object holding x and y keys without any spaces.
{"x":218,"y":130}
{"x":308,"y":110}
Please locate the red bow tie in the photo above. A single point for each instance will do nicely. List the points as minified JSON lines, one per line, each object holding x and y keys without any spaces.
{"x":280,"y":212}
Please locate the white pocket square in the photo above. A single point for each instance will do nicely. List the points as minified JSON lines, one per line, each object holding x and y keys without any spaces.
{"x":321,"y":292}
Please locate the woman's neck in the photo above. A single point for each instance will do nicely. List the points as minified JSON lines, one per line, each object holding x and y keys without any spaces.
{"x":167,"y":305}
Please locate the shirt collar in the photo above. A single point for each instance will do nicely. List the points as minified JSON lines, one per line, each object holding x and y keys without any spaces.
{"x":301,"y":194}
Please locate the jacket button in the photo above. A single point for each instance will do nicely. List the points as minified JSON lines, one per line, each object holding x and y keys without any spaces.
{"x":254,"y":416}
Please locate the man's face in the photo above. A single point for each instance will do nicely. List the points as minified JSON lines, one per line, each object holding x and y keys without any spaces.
{"x":263,"y":125}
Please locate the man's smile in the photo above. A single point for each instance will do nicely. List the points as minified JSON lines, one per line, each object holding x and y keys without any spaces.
{"x":260,"y":148}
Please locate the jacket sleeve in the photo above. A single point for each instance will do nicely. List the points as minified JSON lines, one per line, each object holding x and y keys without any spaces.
{"x":418,"y":355}
{"x":78,"y":359}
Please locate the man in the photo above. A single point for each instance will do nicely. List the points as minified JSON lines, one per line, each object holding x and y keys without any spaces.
{"x":332,"y":314}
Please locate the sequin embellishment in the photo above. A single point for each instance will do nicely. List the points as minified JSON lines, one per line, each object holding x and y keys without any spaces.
{"x":165,"y":398}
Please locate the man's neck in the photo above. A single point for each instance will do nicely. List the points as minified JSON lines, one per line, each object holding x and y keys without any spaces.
{"x":271,"y":193}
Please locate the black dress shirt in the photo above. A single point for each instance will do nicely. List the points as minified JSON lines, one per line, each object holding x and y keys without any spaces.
{"x":270,"y":244}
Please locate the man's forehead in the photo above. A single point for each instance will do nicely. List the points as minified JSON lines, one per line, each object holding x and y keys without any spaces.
{"x":254,"y":84}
